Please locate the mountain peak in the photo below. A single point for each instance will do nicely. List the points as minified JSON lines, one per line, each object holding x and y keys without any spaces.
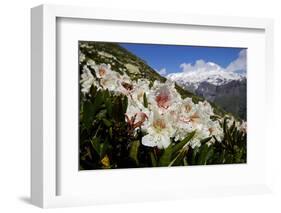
{"x":212,"y":73}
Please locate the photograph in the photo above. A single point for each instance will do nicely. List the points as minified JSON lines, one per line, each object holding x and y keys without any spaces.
{"x":161,"y":105}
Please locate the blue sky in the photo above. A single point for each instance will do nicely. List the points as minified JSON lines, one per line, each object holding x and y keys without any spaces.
{"x":171,"y":57}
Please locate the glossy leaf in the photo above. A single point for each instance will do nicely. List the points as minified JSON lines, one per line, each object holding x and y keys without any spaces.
{"x":134,"y":151}
{"x":145,"y":103}
{"x":172,"y":150}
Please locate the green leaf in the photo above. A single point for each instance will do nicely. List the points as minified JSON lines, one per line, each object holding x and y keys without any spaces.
{"x":104,"y":147}
{"x":195,"y":151}
{"x":98,"y":101}
{"x":181,"y":144}
{"x":232,"y":127}
{"x":238,"y":156}
{"x":185,"y":163}
{"x":134,"y":151}
{"x":101,"y":114}
{"x":172,"y":150}
{"x":166,"y":156}
{"x":225,"y":124}
{"x":96,"y":145}
{"x":109,"y":107}
{"x":178,"y":159}
{"x":120,"y":107}
{"x":91,"y":108}
{"x":93,"y":91}
{"x":88,"y":114}
{"x":107,"y":122}
{"x":205,"y":140}
{"x":222,"y":157}
{"x":124,"y":104}
{"x":145,"y":103}
{"x":110,"y":132}
{"x":153,"y":159}
{"x":204,"y":155}
{"x":209,"y":155}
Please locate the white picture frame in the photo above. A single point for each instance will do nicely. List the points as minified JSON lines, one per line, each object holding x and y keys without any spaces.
{"x":44,"y":153}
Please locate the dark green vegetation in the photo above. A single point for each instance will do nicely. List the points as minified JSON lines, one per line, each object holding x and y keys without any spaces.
{"x":108,"y":141}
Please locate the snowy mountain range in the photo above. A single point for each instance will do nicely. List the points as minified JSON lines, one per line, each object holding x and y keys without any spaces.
{"x":211,"y":73}
{"x":221,"y":86}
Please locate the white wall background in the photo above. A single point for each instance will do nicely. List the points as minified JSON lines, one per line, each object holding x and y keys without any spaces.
{"x":15,"y":104}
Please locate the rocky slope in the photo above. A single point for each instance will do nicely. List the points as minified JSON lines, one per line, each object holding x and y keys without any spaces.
{"x":230,"y":96}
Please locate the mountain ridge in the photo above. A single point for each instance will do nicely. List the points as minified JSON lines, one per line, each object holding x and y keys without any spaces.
{"x":210,"y":72}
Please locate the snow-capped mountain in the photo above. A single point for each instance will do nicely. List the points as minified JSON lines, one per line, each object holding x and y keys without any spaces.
{"x":209,"y":80}
{"x":210,"y":72}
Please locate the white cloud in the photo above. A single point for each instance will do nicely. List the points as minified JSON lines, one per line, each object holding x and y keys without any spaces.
{"x":239,"y":64}
{"x":200,"y":65}
{"x":162,"y":71}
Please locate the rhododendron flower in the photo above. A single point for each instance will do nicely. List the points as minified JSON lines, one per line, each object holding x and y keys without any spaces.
{"x":87,"y":80}
{"x":162,"y":114}
{"x":140,"y":88}
{"x":184,"y":118}
{"x":109,"y":83}
{"x":164,"y":95}
{"x":186,"y":125}
{"x":190,"y":117}
{"x":136,"y":120}
{"x":243,"y":127}
{"x":102,"y":70}
{"x":159,"y":130}
{"x":125,"y":85}
{"x":230,"y":121}
{"x":215,"y":129}
{"x":137,"y":117}
{"x":205,"y":107}
{"x":108,"y":79}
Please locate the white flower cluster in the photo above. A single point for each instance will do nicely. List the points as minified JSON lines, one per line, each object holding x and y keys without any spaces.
{"x":241,"y":126}
{"x":158,"y":110}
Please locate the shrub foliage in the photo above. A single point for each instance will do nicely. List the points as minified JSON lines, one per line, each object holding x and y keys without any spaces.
{"x":107,"y":141}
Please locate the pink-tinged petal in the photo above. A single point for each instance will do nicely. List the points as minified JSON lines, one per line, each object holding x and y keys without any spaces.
{"x":102,"y":71}
{"x":163,"y":98}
